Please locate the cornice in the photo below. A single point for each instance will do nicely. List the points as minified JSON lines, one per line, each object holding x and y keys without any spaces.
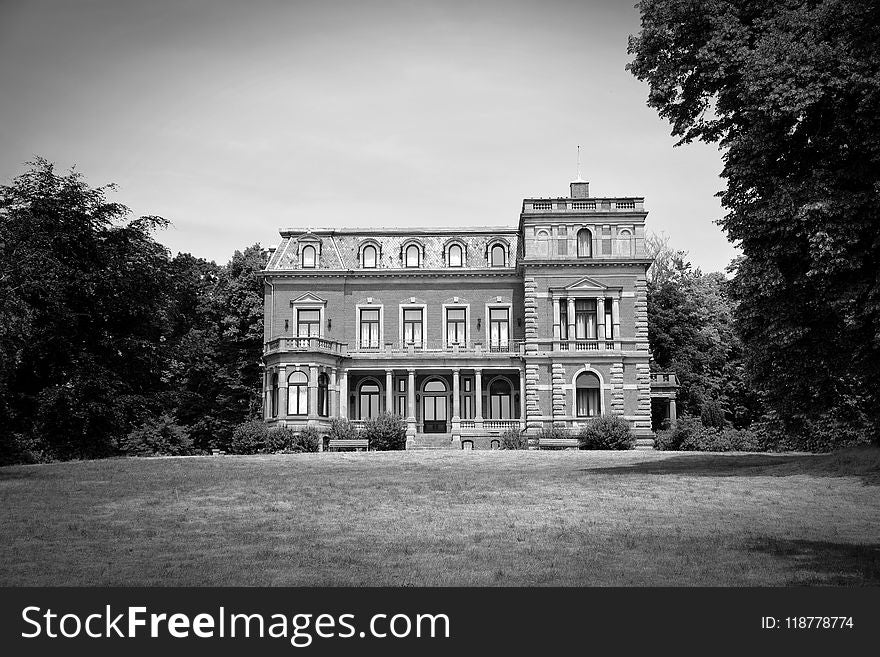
{"x":497,"y":273}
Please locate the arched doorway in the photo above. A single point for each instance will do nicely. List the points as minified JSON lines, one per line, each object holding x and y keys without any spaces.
{"x":434,"y":406}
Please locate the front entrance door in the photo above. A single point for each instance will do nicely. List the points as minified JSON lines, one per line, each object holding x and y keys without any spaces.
{"x":434,"y":407}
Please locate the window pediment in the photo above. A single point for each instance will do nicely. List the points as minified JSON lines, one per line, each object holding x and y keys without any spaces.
{"x":308,"y":298}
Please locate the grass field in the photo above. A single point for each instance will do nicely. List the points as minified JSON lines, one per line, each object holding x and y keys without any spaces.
{"x":445,"y":518}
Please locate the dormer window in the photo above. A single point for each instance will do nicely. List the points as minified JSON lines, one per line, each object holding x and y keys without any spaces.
{"x":412,"y":255}
{"x":309,"y":257}
{"x":369,"y":257}
{"x":497,"y":258}
{"x":496,"y":253}
{"x":456,"y":257}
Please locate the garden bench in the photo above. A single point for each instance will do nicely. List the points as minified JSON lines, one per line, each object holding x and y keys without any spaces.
{"x":558,"y":442}
{"x":348,"y":443}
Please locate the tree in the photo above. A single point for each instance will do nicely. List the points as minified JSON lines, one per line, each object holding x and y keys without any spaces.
{"x":791,"y":93}
{"x":82,"y":312}
{"x":691,"y":332}
{"x":218,"y":362}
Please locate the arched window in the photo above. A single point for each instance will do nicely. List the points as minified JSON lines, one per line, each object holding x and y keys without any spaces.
{"x":542,"y":244}
{"x":435,"y":386}
{"x":585,"y":243}
{"x":587,"y":390}
{"x":298,"y":394}
{"x":455,"y":256}
{"x":624,"y":243}
{"x":369,"y":257}
{"x":309,"y":255}
{"x":323,"y":387}
{"x":498,"y":256}
{"x":412,"y":255}
{"x":500,"y":399}
{"x":368,"y":396}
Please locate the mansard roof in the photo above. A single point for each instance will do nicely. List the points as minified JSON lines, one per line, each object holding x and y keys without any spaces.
{"x":339,"y":247}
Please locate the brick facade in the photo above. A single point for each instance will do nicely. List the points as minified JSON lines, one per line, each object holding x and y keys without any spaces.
{"x":532,"y":326}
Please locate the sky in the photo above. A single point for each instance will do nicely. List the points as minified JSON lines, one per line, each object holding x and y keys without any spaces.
{"x":235,"y":119}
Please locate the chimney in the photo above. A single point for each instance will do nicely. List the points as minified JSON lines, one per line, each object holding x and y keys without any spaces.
{"x":580,"y":189}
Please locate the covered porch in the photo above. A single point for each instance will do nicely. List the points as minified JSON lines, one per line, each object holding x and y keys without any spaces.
{"x":435,"y":401}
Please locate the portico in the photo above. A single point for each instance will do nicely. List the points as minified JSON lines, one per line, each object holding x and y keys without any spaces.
{"x":435,"y":400}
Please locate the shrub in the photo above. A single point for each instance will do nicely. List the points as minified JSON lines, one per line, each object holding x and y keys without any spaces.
{"x":342,"y":429}
{"x":690,"y":435}
{"x":679,"y":435}
{"x":385,"y":432}
{"x":160,"y":436}
{"x":251,"y":437}
{"x":21,"y":448}
{"x":514,"y":439}
{"x":712,"y":415}
{"x":306,"y":440}
{"x":606,"y":432}
{"x":279,"y":439}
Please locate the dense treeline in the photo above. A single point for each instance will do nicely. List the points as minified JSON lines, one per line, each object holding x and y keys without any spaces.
{"x":790,"y":91}
{"x":108,"y":344}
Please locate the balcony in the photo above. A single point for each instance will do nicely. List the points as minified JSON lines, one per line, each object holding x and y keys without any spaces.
{"x":663,"y":380}
{"x":324,"y":345}
{"x":444,"y":348}
{"x":598,"y":205}
{"x":616,"y":344}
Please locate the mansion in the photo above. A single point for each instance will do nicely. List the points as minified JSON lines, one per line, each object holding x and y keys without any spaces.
{"x":466,"y":332}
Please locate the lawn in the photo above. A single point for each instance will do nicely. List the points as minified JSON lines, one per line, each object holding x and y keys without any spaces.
{"x":445,"y":518}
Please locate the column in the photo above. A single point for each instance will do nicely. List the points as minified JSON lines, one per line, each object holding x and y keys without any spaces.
{"x":673,"y":412}
{"x":411,"y":404}
{"x":600,"y":321}
{"x":615,"y":320}
{"x":343,"y":394}
{"x":313,"y":391}
{"x":522,"y":399}
{"x":478,"y":398}
{"x":557,"y":334}
{"x":267,"y":384}
{"x":389,"y":391}
{"x":282,"y":392}
{"x":332,"y":395}
{"x":571,"y":333}
{"x":456,"y":406}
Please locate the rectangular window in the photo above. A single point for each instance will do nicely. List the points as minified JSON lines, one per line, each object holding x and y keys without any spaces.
{"x":563,"y":319}
{"x":401,"y":405}
{"x":606,"y":241}
{"x":308,"y":323}
{"x":413,"y":326}
{"x":499,"y":328}
{"x":499,"y":406}
{"x":369,"y":328}
{"x":587,"y":402}
{"x":467,"y":407}
{"x":585,"y":319}
{"x":609,"y":325}
{"x":456,"y":331}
